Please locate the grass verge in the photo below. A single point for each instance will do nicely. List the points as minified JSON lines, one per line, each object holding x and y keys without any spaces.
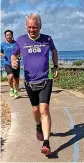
{"x":70,"y":80}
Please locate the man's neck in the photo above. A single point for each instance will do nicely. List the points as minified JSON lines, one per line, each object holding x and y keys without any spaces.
{"x":34,"y":38}
{"x":8,"y":42}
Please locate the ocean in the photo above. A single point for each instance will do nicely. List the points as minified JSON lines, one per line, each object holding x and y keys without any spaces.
{"x":65,"y":56}
{"x":71,"y":55}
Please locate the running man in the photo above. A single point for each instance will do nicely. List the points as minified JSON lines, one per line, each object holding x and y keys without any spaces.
{"x":12,"y":74}
{"x":35,"y":48}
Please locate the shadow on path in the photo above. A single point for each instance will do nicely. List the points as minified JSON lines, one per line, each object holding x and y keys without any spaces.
{"x":5,"y":85}
{"x":2,"y":142}
{"x":23,"y":96}
{"x":78,"y":131}
{"x":57,"y":91}
{"x":22,"y":89}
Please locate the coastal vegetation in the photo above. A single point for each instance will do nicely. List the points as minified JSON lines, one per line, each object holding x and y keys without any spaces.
{"x":4,"y":79}
{"x":78,"y":63}
{"x":68,"y":78}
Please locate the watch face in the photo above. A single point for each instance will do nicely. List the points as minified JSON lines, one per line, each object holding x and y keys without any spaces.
{"x":55,"y":66}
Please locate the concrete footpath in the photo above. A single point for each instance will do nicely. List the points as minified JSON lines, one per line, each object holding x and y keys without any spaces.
{"x":67,"y":133}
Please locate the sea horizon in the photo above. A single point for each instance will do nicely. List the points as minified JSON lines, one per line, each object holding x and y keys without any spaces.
{"x":63,"y":57}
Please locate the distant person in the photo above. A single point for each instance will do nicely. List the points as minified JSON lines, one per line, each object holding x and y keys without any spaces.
{"x":35,"y":48}
{"x":12,"y":74}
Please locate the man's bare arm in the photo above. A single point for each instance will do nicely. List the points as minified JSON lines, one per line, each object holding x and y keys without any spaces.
{"x":14,"y":61}
{"x":55,"y":63}
{"x":55,"y":57}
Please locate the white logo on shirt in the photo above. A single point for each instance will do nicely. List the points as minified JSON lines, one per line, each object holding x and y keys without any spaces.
{"x":34,"y":50}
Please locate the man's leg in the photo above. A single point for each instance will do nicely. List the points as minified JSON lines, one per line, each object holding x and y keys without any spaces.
{"x":10,"y":76}
{"x":46,"y":120}
{"x":46,"y":127}
{"x":34,"y":99}
{"x":16,"y":73}
{"x":37,"y":117}
{"x":16,"y":83}
{"x":36,"y":114}
{"x":44,"y":99}
{"x":10,"y":80}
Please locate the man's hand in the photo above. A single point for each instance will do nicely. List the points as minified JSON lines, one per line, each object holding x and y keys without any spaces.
{"x":55,"y":72}
{"x":14,"y":62}
{"x":3,"y":55}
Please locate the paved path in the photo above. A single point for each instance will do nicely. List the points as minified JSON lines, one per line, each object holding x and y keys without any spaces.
{"x":67,"y":135}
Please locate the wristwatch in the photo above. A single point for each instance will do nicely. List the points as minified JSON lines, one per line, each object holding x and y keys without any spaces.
{"x":55,"y":66}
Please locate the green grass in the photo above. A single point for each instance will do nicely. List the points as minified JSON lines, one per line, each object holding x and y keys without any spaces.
{"x":67,"y":79}
{"x":70,"y":80}
{"x":4,"y":79}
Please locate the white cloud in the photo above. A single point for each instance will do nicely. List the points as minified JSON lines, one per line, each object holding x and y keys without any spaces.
{"x":11,"y":2}
{"x":81,"y":14}
{"x":65,"y":25}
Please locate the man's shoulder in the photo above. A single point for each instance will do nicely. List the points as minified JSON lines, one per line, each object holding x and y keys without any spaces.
{"x":3,"y":43}
{"x":47,"y":37}
{"x":44,"y":35}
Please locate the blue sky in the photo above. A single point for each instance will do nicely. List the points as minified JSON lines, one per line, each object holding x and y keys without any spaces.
{"x":62,"y":19}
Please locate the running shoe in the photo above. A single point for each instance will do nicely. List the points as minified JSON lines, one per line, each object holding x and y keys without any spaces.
{"x":11,"y":92}
{"x":16,"y":94}
{"x":46,"y":148}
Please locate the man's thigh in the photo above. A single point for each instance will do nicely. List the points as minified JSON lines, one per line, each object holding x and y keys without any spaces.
{"x":16,"y":72}
{"x":8,"y":69}
{"x":45,"y":94}
{"x":33,"y":96}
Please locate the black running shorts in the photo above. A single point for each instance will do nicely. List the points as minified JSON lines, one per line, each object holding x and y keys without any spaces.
{"x":41,"y":96}
{"x":10,"y":70}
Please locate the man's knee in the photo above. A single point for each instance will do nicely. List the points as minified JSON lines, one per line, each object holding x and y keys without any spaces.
{"x":44,"y":109}
{"x":10,"y":76}
{"x":35,"y":109}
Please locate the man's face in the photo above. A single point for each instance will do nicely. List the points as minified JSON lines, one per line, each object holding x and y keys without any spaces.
{"x":33,"y":28}
{"x":8,"y":37}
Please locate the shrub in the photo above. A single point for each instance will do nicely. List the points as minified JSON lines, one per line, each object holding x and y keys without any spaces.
{"x":78,"y":63}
